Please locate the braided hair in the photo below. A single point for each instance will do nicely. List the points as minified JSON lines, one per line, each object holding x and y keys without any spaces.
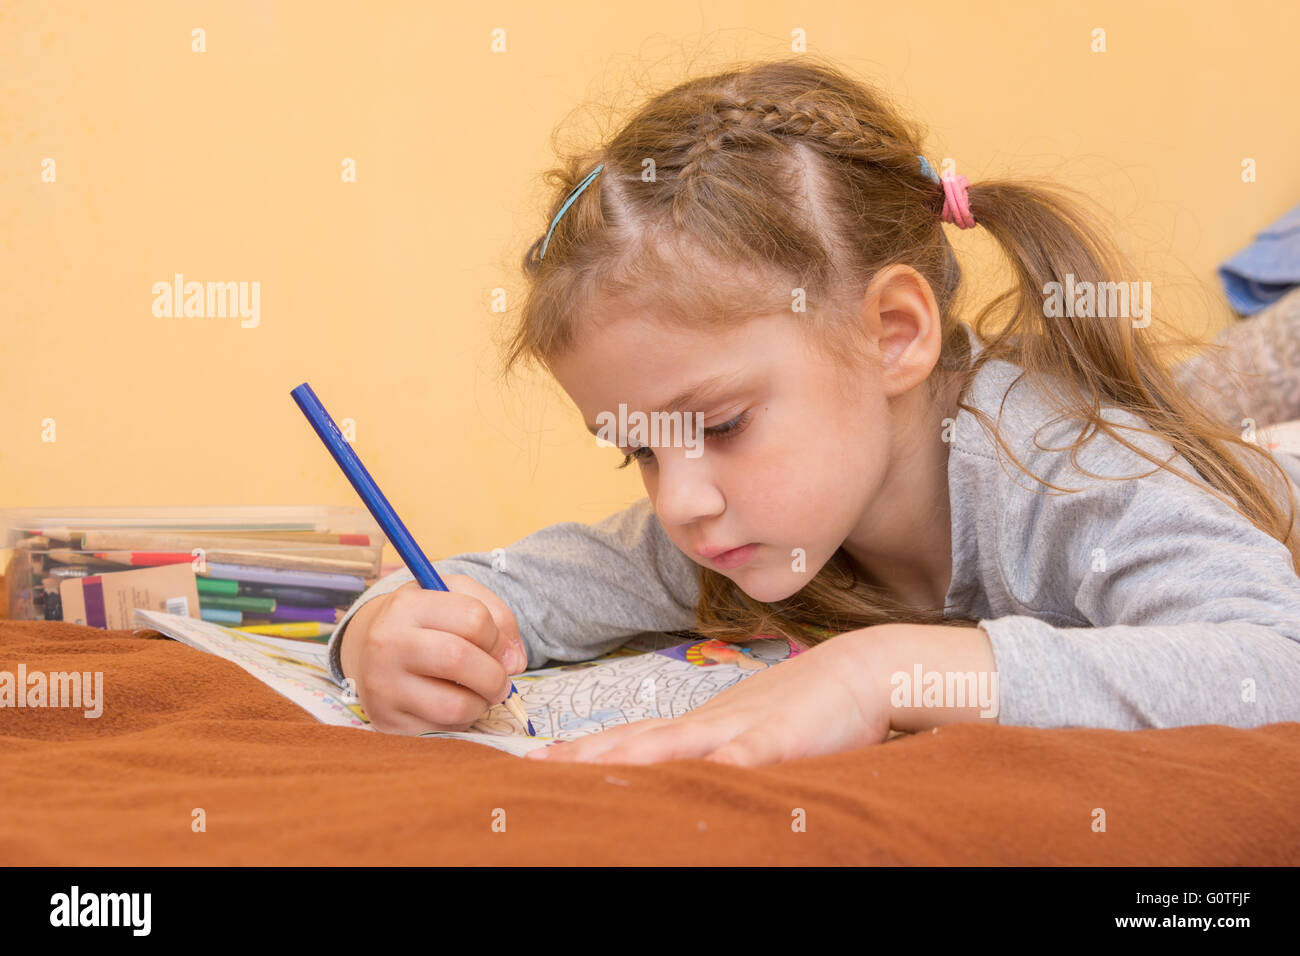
{"x":721,"y":195}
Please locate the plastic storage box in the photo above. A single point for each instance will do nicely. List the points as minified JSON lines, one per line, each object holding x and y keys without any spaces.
{"x":253,"y":566}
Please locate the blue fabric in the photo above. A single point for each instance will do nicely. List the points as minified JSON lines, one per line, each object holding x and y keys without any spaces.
{"x":1266,"y":269}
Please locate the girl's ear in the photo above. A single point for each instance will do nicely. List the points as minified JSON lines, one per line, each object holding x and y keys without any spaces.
{"x":900,"y":310}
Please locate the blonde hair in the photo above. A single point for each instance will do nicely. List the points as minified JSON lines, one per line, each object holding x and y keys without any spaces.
{"x":790,"y":174}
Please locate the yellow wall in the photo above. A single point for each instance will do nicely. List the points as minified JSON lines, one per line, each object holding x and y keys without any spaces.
{"x":225,"y":165}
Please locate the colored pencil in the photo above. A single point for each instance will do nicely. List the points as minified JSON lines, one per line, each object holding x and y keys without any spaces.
{"x":309,"y":579}
{"x":418,"y":562}
{"x":146,"y":558}
{"x":298,"y":630}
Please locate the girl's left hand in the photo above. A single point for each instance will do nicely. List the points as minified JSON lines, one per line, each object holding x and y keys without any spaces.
{"x":824,"y":700}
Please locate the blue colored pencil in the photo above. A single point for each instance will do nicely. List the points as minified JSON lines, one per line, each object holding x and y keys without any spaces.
{"x":383,"y":512}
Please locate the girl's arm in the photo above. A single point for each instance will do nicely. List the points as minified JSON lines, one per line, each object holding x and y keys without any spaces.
{"x":1141,"y":603}
{"x":956,"y":663}
{"x":576,"y":590}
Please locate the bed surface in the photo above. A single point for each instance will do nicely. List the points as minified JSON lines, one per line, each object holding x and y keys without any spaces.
{"x":182,"y":730}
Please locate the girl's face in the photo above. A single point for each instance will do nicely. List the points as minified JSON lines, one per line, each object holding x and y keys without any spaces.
{"x":794,"y":451}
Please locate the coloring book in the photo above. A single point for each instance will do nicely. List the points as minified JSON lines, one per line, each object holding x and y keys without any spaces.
{"x":652,"y":675}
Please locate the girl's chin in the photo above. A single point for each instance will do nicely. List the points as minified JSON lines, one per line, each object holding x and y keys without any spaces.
{"x":764,"y":588}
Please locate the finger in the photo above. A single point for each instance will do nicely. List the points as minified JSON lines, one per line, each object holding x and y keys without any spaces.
{"x":437,"y":704}
{"x":680,"y":740}
{"x":412,"y":725}
{"x":450,"y":611}
{"x":396,"y":720}
{"x":507,"y":625}
{"x":592,"y":745}
{"x":447,"y":657}
{"x":752,"y":748}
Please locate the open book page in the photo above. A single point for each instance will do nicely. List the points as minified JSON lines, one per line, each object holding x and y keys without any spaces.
{"x":652,"y":675}
{"x":297,"y":669}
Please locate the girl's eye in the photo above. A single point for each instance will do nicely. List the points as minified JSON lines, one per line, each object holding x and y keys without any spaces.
{"x":636,"y":456}
{"x":717,"y":433}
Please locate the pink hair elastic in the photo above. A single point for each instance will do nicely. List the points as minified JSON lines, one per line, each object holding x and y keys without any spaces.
{"x":956,"y":204}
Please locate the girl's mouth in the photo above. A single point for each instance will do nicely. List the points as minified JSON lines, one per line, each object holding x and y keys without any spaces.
{"x":735,"y":557}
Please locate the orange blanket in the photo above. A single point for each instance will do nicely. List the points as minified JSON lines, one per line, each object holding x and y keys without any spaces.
{"x":182,"y":730}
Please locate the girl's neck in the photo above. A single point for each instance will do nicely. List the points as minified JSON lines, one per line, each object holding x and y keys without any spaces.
{"x":906,"y":547}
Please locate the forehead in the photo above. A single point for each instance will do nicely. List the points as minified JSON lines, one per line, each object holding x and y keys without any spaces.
{"x":619,"y":333}
{"x":648,"y":364}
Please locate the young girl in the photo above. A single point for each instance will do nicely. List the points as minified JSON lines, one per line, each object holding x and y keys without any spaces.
{"x":1044,"y":511}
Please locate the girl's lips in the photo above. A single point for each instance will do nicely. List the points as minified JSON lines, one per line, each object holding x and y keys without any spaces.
{"x":735,"y":557}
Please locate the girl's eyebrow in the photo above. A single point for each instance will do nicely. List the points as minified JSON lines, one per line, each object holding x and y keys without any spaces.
{"x":696,"y":394}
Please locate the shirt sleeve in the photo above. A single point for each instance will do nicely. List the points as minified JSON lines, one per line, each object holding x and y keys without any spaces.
{"x":577,"y":590}
{"x":1186,"y":612}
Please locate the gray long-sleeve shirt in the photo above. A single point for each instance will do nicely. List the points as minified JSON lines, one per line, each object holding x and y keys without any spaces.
{"x":1127,"y":604}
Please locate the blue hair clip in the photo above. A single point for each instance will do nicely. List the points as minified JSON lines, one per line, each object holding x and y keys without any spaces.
{"x":577,"y":191}
{"x":928,"y":169}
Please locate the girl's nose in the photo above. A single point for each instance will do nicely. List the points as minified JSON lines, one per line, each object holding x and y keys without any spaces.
{"x":686,"y":489}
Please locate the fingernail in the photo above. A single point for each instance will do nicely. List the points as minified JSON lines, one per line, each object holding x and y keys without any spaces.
{"x":517,"y":660}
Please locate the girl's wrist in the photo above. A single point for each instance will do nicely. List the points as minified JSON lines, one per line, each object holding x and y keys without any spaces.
{"x":354,"y":633}
{"x":930,"y":675}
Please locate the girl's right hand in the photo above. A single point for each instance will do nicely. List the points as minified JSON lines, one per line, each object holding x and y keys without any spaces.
{"x":432,"y":660}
